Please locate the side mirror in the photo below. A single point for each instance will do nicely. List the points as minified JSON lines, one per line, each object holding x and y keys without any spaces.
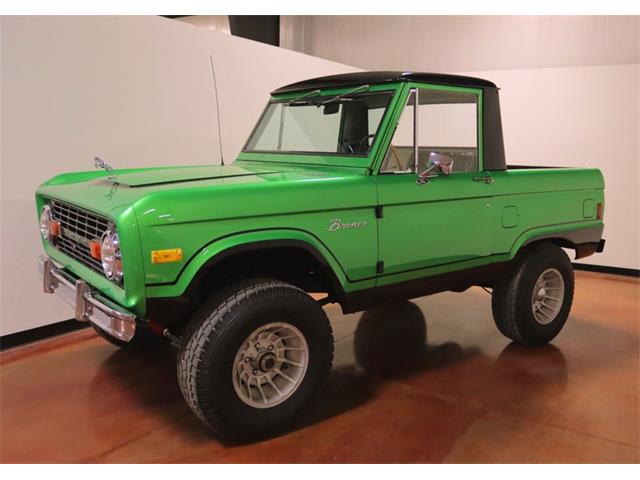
{"x":442,"y":163}
{"x":437,"y":163}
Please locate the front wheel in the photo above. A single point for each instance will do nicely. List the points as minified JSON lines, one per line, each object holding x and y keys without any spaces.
{"x":253,"y":356}
{"x":531,"y":305}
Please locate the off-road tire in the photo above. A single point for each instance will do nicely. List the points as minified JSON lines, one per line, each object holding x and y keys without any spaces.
{"x":142,"y":340}
{"x":512,"y":296}
{"x":213,"y":338}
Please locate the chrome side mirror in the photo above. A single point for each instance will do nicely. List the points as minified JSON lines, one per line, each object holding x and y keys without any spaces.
{"x":438,"y":164}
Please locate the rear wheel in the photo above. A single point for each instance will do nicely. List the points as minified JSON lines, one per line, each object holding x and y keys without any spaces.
{"x":253,"y":356}
{"x":531,"y":305}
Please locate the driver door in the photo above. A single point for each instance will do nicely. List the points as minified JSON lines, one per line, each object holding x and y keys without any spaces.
{"x":436,"y":226}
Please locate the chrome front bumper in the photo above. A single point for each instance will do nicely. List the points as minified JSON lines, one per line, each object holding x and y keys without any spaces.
{"x":88,"y":304}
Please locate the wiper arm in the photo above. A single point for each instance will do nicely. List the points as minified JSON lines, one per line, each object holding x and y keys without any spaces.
{"x":314,"y":93}
{"x":306,"y":95}
{"x":343,"y":95}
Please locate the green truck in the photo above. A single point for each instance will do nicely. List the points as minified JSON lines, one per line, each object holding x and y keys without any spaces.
{"x":354,"y":189}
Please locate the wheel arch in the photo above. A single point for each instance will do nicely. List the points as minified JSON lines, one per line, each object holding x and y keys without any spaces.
{"x":281,"y":256}
{"x":243,"y":253}
{"x":584,"y":240}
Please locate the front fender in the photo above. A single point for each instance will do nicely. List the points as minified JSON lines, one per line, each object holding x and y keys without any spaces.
{"x":253,"y":239}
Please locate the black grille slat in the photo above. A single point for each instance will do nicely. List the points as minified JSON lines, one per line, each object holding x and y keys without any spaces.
{"x":82,"y":223}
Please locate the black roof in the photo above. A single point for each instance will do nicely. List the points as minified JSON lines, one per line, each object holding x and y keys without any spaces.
{"x":360,"y":78}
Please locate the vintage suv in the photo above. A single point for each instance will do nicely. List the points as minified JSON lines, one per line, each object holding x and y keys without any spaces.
{"x":369,"y":187}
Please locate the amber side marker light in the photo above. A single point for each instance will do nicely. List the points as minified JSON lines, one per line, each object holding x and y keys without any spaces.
{"x":166,"y":256}
{"x":599,"y":211}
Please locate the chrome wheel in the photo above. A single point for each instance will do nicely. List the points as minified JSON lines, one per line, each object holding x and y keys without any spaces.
{"x":270,"y":365}
{"x":548,"y":296}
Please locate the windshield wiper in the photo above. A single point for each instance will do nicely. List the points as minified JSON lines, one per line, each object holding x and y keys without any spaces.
{"x":305,"y":99}
{"x":343,"y":95}
{"x":306,"y":95}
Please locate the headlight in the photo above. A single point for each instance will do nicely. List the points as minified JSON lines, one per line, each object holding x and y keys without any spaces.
{"x":45,"y":222}
{"x":110,"y":255}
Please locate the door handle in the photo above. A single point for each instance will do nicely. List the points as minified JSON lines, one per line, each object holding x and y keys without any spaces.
{"x":488,"y":179}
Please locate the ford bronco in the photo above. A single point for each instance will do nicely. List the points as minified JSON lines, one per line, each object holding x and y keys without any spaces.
{"x":363,"y":187}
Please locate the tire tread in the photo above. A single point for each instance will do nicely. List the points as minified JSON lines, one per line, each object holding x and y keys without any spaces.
{"x":507,"y":312}
{"x":206,"y":331}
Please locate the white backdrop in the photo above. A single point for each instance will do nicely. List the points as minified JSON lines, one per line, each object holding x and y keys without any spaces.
{"x":137,"y":91}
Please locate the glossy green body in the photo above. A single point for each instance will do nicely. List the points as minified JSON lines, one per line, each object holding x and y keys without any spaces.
{"x":452,"y":223}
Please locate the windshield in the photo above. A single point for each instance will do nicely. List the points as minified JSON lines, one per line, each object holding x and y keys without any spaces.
{"x":344,"y":125}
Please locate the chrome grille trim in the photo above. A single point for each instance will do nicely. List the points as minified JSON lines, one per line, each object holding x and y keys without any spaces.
{"x":83,"y":223}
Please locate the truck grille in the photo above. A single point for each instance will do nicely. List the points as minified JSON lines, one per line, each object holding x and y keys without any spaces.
{"x":78,"y":227}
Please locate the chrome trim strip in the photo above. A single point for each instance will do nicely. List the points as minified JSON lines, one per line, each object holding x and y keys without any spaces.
{"x":88,"y":304}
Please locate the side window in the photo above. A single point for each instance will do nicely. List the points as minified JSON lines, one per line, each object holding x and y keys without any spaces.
{"x":447,"y":124}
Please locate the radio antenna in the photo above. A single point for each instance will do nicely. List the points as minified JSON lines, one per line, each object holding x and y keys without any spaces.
{"x":215,"y":89}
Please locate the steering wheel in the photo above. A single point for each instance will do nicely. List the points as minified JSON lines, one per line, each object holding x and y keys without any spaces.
{"x":364,"y":139}
{"x":348,"y":145}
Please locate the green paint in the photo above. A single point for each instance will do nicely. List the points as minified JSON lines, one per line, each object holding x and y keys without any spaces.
{"x":510,"y":216}
{"x":449,"y":224}
{"x":589,"y":208}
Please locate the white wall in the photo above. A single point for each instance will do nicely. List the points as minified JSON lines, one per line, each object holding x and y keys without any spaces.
{"x":464,"y":43}
{"x":136,"y":91}
{"x":219,"y":23}
{"x":569,"y":88}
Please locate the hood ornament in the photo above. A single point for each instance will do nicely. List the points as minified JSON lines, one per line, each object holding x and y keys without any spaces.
{"x":99,"y":163}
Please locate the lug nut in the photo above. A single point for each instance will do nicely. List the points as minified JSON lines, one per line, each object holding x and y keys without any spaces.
{"x":270,"y":347}
{"x":255,"y":372}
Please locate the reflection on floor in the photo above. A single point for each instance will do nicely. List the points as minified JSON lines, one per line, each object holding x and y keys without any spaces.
{"x":427,"y":381}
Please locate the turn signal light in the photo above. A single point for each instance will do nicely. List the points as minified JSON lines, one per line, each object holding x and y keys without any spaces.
{"x":166,"y":256}
{"x":599,"y":211}
{"x":54,"y":228}
{"x":94,"y":249}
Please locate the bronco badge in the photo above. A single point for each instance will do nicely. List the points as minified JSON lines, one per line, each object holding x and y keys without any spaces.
{"x":337,"y":224}
{"x":76,"y":237}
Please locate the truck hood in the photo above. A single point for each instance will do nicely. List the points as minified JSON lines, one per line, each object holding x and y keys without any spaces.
{"x":98,"y":192}
{"x":164,"y":176}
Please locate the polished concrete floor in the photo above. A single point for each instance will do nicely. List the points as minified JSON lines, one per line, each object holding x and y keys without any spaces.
{"x":431,"y":381}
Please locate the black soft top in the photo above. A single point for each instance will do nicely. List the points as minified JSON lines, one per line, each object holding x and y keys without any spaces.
{"x":372,"y":78}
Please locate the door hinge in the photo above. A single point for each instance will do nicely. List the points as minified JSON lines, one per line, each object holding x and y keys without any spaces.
{"x":379,"y":212}
{"x":380,"y":267}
